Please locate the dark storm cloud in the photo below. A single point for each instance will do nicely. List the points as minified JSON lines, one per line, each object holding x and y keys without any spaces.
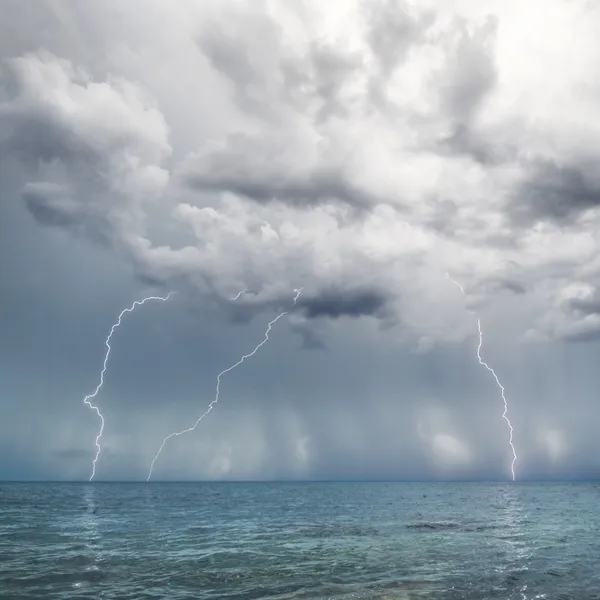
{"x":582,"y":306}
{"x":92,"y":149}
{"x":53,"y":205}
{"x":50,"y":205}
{"x":330,"y":303}
{"x":249,"y":168}
{"x":585,"y":312}
{"x":554,"y":192}
{"x":344,"y":303}
{"x":33,"y":130}
{"x":39,"y":138}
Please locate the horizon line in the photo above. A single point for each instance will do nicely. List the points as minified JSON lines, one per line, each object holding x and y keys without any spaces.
{"x":303,"y":481}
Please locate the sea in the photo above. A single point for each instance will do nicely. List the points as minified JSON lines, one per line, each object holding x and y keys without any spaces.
{"x":246,"y":541}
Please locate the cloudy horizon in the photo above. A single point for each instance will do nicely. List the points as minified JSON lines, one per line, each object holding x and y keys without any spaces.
{"x":366,"y":152}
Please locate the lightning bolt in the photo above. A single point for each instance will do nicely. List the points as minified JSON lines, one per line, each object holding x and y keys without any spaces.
{"x":239,"y":294}
{"x":297,"y":293}
{"x":484,"y":364}
{"x":89,"y":397}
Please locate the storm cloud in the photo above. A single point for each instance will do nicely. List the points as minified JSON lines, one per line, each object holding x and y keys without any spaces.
{"x":362,"y":151}
{"x":352,"y":303}
{"x":557,"y":193}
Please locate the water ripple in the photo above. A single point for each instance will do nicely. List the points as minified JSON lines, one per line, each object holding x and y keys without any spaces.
{"x":291,"y":541}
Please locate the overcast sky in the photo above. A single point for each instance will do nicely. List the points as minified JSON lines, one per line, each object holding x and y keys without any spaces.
{"x":361,"y":150}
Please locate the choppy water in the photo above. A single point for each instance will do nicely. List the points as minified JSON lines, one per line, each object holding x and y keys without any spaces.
{"x":318,"y":540}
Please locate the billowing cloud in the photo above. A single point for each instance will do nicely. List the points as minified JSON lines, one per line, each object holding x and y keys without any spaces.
{"x":94,"y":148}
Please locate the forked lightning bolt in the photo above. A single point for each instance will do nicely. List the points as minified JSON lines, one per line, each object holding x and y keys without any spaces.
{"x":297,"y":293}
{"x":89,"y":397}
{"x":484,"y":364}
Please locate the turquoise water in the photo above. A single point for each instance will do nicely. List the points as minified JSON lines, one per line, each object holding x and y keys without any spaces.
{"x":307,"y":540}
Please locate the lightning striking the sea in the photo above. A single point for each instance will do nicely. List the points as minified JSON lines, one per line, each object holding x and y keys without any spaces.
{"x":89,"y":397}
{"x":297,"y":293}
{"x":500,"y":386}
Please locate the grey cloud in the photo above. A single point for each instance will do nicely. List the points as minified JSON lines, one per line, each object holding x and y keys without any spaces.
{"x":231,"y":53}
{"x":492,"y":285}
{"x":463,"y":140}
{"x":40,"y":138}
{"x":554,"y":192}
{"x":54,"y":205}
{"x":259,"y":170}
{"x":514,"y":286}
{"x":270,"y":81}
{"x":589,"y":332}
{"x":283,"y":89}
{"x":50,"y":204}
{"x":93,"y":149}
{"x":588,"y":306}
{"x":470,"y":72}
{"x":444,"y":213}
{"x":576,"y":315}
{"x":340,"y":303}
{"x":467,"y":78}
{"x":39,"y":130}
{"x":393,"y":29}
{"x":584,"y":322}
{"x":331,"y":69}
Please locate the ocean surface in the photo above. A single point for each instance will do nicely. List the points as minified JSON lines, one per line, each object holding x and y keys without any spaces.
{"x":300,"y":540}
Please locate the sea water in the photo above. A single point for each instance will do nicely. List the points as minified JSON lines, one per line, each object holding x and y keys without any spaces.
{"x":300,"y":540}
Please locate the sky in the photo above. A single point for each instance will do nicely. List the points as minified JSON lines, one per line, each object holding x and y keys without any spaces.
{"x":364,"y":151}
